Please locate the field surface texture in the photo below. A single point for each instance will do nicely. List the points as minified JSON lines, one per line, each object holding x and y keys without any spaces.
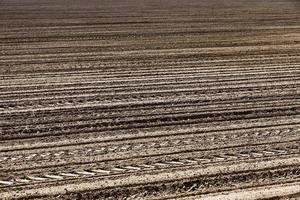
{"x":149,"y":99}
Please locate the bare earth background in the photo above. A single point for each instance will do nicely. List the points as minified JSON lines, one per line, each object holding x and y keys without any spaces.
{"x":140,"y":99}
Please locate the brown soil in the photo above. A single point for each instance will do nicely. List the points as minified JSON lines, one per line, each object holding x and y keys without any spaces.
{"x":149,"y":99}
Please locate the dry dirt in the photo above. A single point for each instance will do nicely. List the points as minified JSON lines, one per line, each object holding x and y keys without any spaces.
{"x":150,"y":99}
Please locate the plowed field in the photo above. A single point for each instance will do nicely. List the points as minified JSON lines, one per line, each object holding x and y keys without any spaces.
{"x":149,"y":99}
